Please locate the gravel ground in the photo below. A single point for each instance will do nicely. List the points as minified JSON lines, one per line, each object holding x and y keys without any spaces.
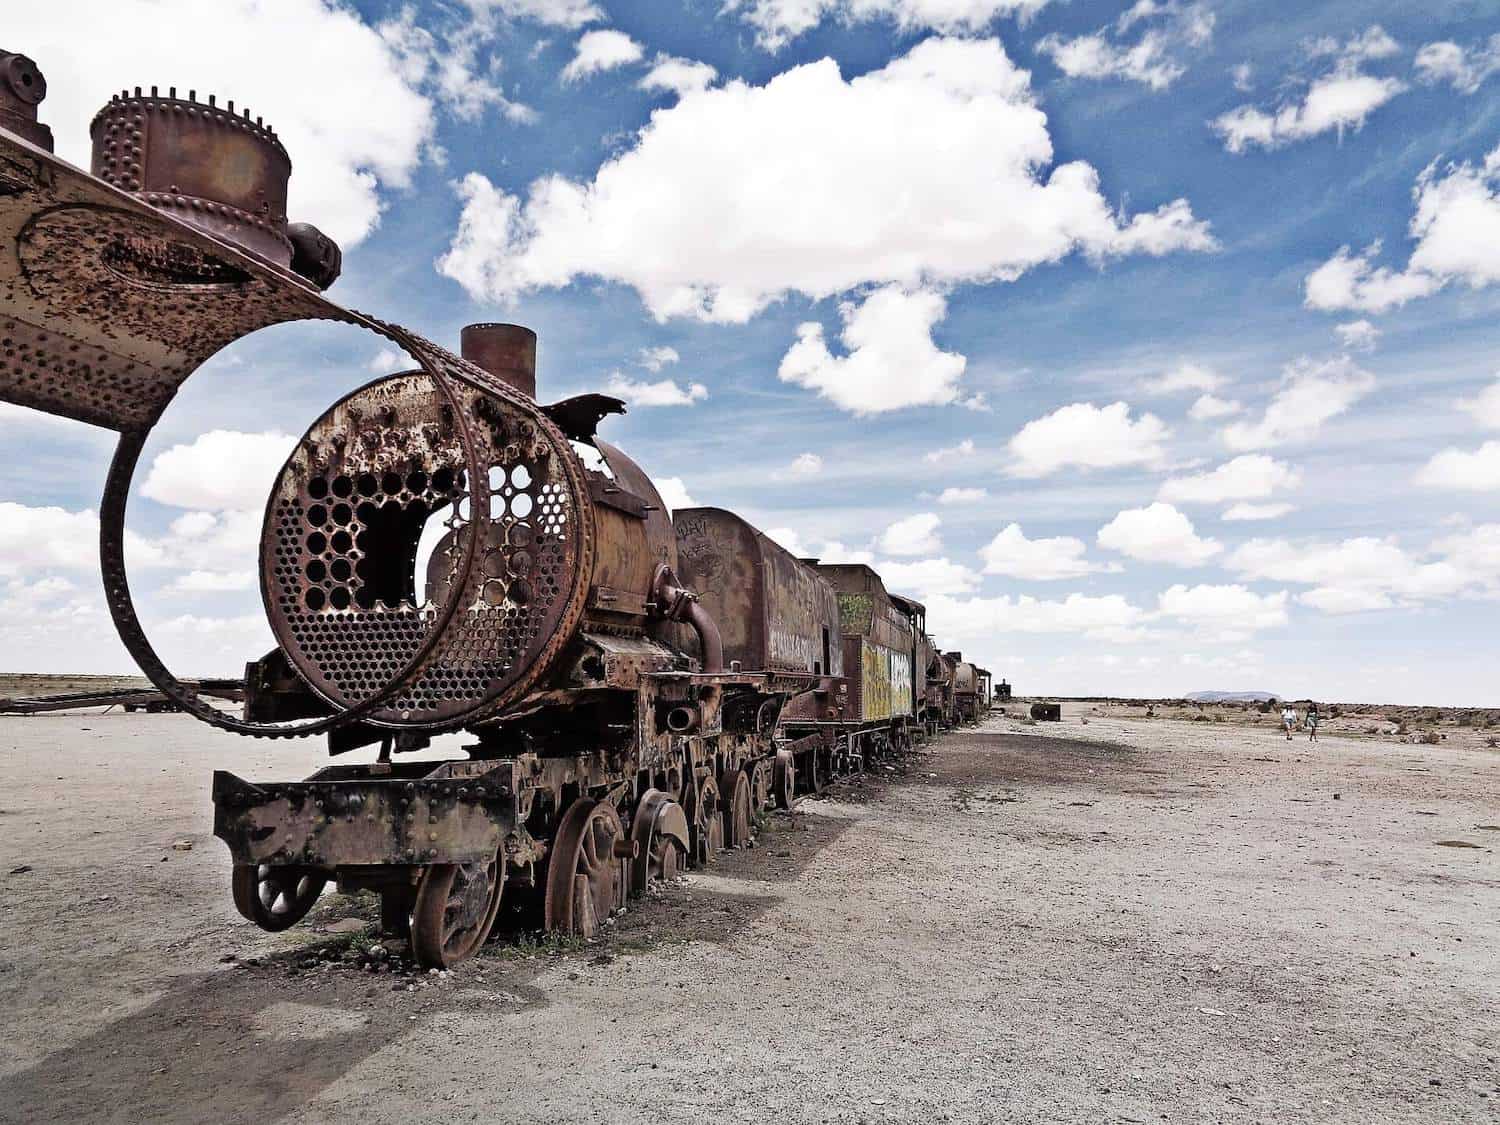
{"x":1101,"y":920}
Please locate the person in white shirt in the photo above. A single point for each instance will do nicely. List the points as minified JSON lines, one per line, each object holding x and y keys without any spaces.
{"x":1288,"y":720}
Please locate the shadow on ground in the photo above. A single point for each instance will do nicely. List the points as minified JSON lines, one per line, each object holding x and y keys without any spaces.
{"x":253,"y":1042}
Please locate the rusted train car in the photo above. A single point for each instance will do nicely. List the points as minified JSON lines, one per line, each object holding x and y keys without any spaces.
{"x":781,"y":615}
{"x":635,"y":687}
{"x":968,"y":689}
{"x":879,"y":645}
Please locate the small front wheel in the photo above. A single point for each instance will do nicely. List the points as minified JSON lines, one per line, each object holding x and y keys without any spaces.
{"x":276,"y":897}
{"x":454,"y":911}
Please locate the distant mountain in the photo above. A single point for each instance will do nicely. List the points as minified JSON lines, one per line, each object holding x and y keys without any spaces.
{"x":1230,"y":696}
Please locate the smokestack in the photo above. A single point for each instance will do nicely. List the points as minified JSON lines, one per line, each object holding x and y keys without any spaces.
{"x":506,"y":351}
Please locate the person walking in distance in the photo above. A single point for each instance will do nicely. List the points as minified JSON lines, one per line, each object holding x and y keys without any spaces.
{"x":1288,"y":720}
{"x":1312,"y":722}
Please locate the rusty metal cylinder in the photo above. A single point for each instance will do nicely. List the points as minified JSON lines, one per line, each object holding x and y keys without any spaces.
{"x":506,"y":351}
{"x":22,"y":89}
{"x":223,"y":172}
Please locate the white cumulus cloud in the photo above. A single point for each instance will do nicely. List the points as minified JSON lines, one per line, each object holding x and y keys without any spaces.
{"x":914,"y":535}
{"x":1365,"y":573}
{"x":1228,"y":613}
{"x":446,"y":62}
{"x":1253,"y":476}
{"x":926,"y":578}
{"x":1087,"y":436}
{"x":654,"y":359}
{"x":598,"y":51}
{"x":958,"y":495}
{"x":1185,"y":377}
{"x":674,"y":493}
{"x":665,"y":392}
{"x":1310,"y":394}
{"x":1350,"y":281}
{"x":680,"y":76}
{"x":929,"y":171}
{"x":1208,"y":408}
{"x":1037,"y":560}
{"x":1462,"y":67}
{"x":1456,"y":225}
{"x":892,"y":361}
{"x":962,"y":451}
{"x":1485,"y":406}
{"x":1357,"y":335}
{"x":219,"y":469}
{"x":1107,"y":618}
{"x":1338,"y":101}
{"x":1157,"y":533}
{"x":1152,"y":59}
{"x":1463,"y":470}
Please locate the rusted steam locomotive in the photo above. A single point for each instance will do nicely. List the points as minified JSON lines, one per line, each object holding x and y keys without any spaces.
{"x":637,"y":686}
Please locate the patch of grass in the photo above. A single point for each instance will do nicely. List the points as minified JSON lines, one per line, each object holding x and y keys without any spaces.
{"x":527,"y":944}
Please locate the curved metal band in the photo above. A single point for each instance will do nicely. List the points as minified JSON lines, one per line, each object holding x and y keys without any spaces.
{"x":127,"y":623}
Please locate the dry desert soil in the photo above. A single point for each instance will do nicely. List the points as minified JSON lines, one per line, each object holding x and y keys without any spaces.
{"x":1104,"y":919}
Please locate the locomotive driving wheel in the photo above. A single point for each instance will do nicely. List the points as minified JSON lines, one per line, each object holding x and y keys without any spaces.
{"x":784,"y":784}
{"x":659,"y":831}
{"x":586,"y":873}
{"x":759,"y":774}
{"x":811,"y":773}
{"x":706,"y":820}
{"x":276,"y":897}
{"x":735,"y":789}
{"x":455,"y":907}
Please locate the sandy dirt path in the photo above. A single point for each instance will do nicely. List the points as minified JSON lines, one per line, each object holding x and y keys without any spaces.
{"x":1101,"y":921}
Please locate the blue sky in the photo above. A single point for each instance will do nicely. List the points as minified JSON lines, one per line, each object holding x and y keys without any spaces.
{"x":1016,"y":299}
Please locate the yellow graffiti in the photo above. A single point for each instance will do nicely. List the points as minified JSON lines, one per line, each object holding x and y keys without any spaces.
{"x":886,"y":684}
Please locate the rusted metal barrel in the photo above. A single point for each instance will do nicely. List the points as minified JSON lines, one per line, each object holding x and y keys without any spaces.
{"x":223,"y":172}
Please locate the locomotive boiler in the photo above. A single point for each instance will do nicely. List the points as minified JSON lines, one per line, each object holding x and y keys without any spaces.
{"x":440,"y":552}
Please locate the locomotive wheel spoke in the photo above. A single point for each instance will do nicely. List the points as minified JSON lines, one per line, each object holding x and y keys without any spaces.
{"x":276,"y":897}
{"x":585,"y":882}
{"x":454,"y":910}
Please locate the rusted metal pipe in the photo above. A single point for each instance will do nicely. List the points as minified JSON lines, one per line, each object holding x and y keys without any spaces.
{"x":709,"y":640}
{"x":675,"y":602}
